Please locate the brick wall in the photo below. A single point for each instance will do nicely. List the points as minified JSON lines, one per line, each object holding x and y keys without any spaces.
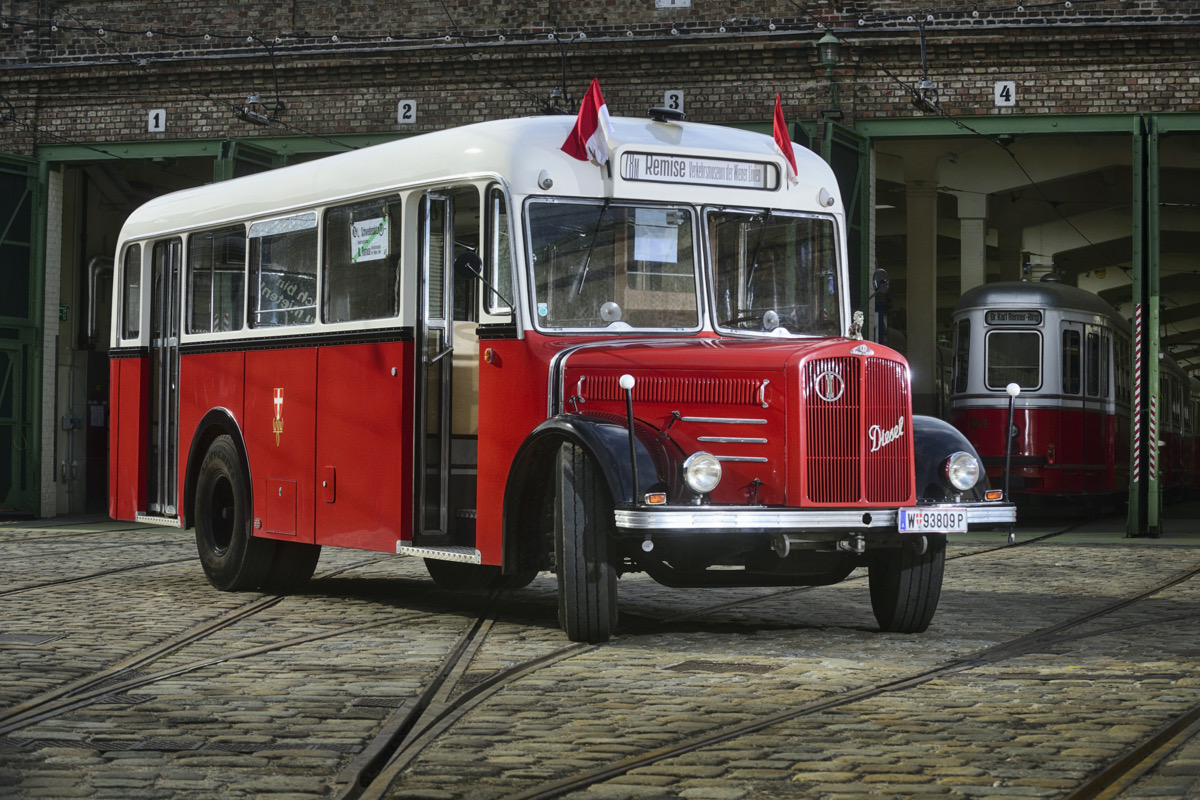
{"x":74,"y":84}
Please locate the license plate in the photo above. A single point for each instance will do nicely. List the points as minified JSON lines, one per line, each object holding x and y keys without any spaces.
{"x":933,"y":520}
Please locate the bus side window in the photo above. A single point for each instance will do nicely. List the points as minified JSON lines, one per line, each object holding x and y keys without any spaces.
{"x":283,"y":271}
{"x":131,"y":292}
{"x":498,"y":253}
{"x":217,"y":280}
{"x":361,"y":270}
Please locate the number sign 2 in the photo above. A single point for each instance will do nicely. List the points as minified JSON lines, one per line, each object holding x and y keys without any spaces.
{"x":406,"y":112}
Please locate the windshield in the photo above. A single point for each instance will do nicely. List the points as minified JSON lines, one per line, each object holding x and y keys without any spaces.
{"x":775,"y":272}
{"x":606,"y":265}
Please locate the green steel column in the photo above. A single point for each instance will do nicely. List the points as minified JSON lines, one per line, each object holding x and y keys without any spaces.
{"x":1152,"y":330}
{"x":1144,"y":496}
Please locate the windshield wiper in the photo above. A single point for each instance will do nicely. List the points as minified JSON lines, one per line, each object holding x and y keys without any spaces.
{"x":762,"y":229}
{"x":591,"y":248}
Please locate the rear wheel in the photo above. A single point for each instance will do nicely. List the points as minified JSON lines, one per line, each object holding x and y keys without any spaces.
{"x":292,"y":567}
{"x":232,"y":559}
{"x":906,"y":585}
{"x":587,"y":582}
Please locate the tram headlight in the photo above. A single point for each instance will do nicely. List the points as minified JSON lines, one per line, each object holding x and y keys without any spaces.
{"x":702,"y":472}
{"x":962,"y":470}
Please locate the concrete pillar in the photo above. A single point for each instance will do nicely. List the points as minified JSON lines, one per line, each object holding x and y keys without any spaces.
{"x":972,"y":239}
{"x":920,"y":177}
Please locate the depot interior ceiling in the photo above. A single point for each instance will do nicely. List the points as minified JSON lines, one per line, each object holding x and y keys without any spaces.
{"x":1054,"y":204}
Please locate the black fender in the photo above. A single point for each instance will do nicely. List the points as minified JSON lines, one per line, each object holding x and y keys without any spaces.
{"x":531,"y":479}
{"x":606,"y":440}
{"x":934,"y":440}
{"x":216,"y":422}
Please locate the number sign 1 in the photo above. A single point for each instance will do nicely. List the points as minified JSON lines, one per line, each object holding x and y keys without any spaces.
{"x":406,"y":112}
{"x":157,"y":122}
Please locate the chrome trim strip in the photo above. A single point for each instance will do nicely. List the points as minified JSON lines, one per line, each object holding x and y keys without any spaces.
{"x":466,"y":555}
{"x":152,"y":519}
{"x":719,"y":519}
{"x":744,"y":459}
{"x":724,"y":420}
{"x":730,"y":440}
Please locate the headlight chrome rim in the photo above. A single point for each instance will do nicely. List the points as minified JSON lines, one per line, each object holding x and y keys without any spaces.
{"x":702,"y":472}
{"x":962,"y":470}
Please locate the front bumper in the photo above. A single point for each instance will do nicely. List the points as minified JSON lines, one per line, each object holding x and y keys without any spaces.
{"x":761,"y":518}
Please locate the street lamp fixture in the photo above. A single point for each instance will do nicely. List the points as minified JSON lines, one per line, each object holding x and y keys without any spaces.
{"x":828,"y":51}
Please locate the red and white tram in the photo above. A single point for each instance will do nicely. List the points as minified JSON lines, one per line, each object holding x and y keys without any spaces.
{"x":470,"y":347}
{"x":1070,"y":353}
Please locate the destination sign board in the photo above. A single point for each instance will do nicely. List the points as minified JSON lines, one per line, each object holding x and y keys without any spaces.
{"x":665,"y":168}
{"x":1013,"y":317}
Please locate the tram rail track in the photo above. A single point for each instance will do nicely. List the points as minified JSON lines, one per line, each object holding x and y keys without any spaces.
{"x":369,"y":779}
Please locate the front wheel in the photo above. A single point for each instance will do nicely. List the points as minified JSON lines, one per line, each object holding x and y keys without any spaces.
{"x":232,"y":559}
{"x":587,"y":582}
{"x":907,"y":583}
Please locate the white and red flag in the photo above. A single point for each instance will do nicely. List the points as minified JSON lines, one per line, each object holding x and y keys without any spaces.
{"x":593,"y":129}
{"x":784,"y":142}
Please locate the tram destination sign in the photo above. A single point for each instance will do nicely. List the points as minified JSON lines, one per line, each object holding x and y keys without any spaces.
{"x":1013,"y":317}
{"x":664,"y":168}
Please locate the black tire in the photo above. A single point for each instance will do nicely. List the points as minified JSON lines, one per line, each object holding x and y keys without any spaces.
{"x":906,"y":585}
{"x":458,"y":576}
{"x":292,"y":567}
{"x":232,"y":558}
{"x":587,"y":582}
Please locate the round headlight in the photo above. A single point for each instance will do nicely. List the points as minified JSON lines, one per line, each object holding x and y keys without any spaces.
{"x":962,"y":470}
{"x":702,"y":472}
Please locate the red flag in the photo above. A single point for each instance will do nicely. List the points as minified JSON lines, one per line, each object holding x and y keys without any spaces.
{"x":784,"y":142}
{"x":589,"y":138}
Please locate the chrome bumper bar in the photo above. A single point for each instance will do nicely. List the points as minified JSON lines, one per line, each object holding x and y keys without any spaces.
{"x":759,"y":518}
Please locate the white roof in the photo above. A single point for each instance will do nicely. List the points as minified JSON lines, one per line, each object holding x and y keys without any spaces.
{"x":519,"y":150}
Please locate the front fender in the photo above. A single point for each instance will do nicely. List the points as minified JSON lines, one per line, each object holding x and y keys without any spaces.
{"x":607,"y":441}
{"x":933,"y":442}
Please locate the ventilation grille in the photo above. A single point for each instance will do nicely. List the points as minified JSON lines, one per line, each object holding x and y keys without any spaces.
{"x":856,"y":417}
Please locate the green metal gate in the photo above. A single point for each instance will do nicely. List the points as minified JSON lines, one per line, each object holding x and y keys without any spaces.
{"x":21,"y":208}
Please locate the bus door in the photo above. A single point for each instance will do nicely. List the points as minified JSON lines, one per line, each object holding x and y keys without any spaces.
{"x":163,"y":419}
{"x":1069,"y":458}
{"x":435,"y":348}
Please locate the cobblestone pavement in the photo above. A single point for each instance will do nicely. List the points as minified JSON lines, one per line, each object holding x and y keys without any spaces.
{"x":285,"y":700}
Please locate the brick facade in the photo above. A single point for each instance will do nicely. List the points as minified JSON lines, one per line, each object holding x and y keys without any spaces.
{"x":66,"y":82}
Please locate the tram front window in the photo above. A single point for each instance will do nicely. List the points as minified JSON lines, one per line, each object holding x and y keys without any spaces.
{"x":775,"y":273}
{"x":1014,"y":357}
{"x":610,"y":266}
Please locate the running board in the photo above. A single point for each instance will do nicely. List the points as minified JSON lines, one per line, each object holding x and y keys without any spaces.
{"x":466,"y":555}
{"x":166,"y":522}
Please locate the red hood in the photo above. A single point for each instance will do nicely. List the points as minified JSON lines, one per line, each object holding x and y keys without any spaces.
{"x":642,"y":356}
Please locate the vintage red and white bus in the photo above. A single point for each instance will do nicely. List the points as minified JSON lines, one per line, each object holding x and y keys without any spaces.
{"x":470,"y":347}
{"x":1071,"y":354}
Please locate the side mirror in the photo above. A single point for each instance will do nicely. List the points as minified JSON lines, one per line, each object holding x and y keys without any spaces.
{"x":880,"y":281}
{"x":469,"y":263}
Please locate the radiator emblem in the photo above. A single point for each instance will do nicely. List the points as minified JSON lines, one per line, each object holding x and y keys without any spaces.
{"x":880,"y":437}
{"x":829,"y":386}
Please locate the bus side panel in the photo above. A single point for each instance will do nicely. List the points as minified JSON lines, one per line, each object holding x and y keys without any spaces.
{"x":364,"y":450}
{"x":207,"y":381}
{"x":279,"y":425}
{"x":512,"y":402}
{"x":127,"y":437}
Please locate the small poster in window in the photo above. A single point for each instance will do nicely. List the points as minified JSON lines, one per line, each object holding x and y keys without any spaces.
{"x":654,"y":238}
{"x":368,"y":239}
